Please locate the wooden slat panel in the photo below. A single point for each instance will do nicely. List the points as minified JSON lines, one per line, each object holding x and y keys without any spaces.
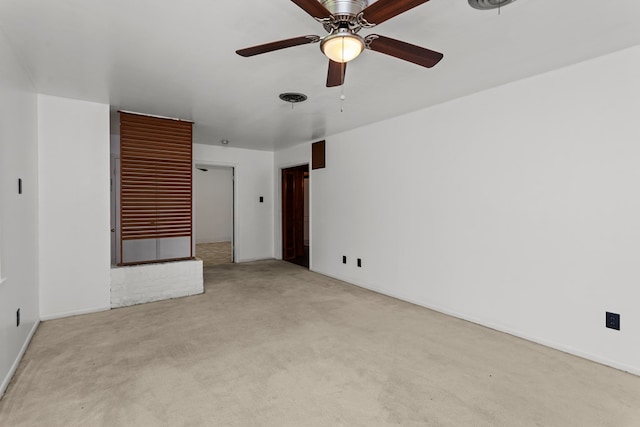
{"x":166,"y":184}
{"x":135,"y":130}
{"x":157,"y":155}
{"x":142,"y":218}
{"x":148,"y":135}
{"x":169,"y":181}
{"x":158,"y":165}
{"x":154,"y":146}
{"x":143,"y":236}
{"x":141,"y":179}
{"x":131,"y":152}
{"x":164,"y":220}
{"x":135,"y":228}
{"x":154,"y":122}
{"x":149,"y":175}
{"x":159,"y":204}
{"x":145,"y":160}
{"x":160,"y":199}
{"x":161,"y":146}
{"x":181,"y":130}
{"x":143,"y":210}
{"x":150,"y":193}
{"x":156,"y":236}
{"x":141,"y":166}
{"x":155,"y":177}
{"x":176,"y":177}
{"x":176,"y":195}
{"x":149,"y":231}
{"x":168,"y":224}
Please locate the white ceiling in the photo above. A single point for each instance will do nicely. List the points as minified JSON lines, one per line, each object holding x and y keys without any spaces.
{"x":177,"y":59}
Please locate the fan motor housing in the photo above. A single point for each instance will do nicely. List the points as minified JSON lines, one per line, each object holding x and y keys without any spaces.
{"x":347,"y":8}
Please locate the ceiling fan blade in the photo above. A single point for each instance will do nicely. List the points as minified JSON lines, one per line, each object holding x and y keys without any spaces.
{"x":335,"y":75}
{"x":402,"y":50}
{"x":382,"y":10}
{"x":313,"y":8}
{"x":282,"y":44}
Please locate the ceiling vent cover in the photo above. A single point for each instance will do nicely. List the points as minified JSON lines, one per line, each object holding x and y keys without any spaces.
{"x":489,"y":4}
{"x":293,"y":97}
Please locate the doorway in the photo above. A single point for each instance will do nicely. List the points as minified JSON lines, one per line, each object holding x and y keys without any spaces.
{"x":295,"y":215}
{"x":213,"y":190}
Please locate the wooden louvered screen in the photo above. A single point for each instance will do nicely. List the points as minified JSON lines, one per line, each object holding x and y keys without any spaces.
{"x":155,"y":183}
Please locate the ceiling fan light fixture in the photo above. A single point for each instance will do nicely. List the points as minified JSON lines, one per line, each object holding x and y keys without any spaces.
{"x":342,"y":46}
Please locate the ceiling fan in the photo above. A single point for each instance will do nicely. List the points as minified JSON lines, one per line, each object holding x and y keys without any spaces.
{"x":343,"y":19}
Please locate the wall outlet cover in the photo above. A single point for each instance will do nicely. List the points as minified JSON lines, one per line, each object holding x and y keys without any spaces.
{"x":613,"y":321}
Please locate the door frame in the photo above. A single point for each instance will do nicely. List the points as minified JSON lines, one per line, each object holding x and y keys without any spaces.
{"x":282,"y":218}
{"x":114,"y":214}
{"x":234,"y":202}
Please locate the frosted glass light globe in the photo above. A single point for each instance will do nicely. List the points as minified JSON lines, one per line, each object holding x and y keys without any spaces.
{"x":342,"y":46}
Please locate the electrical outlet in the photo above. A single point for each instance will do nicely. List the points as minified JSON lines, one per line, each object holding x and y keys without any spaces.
{"x":359,"y":262}
{"x":613,"y":321}
{"x":18,"y":318}
{"x":344,"y":259}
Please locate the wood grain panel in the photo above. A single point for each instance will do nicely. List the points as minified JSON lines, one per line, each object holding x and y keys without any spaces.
{"x":318,"y":155}
{"x":156,"y":194}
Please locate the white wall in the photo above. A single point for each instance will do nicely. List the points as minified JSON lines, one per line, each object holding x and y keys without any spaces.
{"x":18,"y":213}
{"x":253,"y":178}
{"x":73,"y":152}
{"x":515,"y":208}
{"x":213,"y":200}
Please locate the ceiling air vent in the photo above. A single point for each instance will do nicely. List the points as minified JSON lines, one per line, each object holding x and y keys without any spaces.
{"x":489,"y":4}
{"x":293,"y":97}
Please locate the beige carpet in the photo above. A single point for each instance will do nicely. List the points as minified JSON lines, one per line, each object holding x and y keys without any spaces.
{"x":214,"y":253}
{"x":272,"y":344}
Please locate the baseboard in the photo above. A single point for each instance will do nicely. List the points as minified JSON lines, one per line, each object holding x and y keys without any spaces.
{"x":238,"y":261}
{"x":500,"y":328}
{"x":74,"y":313}
{"x":16,"y":363}
{"x":523,"y":335}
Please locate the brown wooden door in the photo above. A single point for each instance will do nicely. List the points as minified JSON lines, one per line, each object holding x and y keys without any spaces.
{"x":293,"y":212}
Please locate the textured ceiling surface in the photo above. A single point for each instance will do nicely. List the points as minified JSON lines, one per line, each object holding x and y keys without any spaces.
{"x":178,"y":59}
